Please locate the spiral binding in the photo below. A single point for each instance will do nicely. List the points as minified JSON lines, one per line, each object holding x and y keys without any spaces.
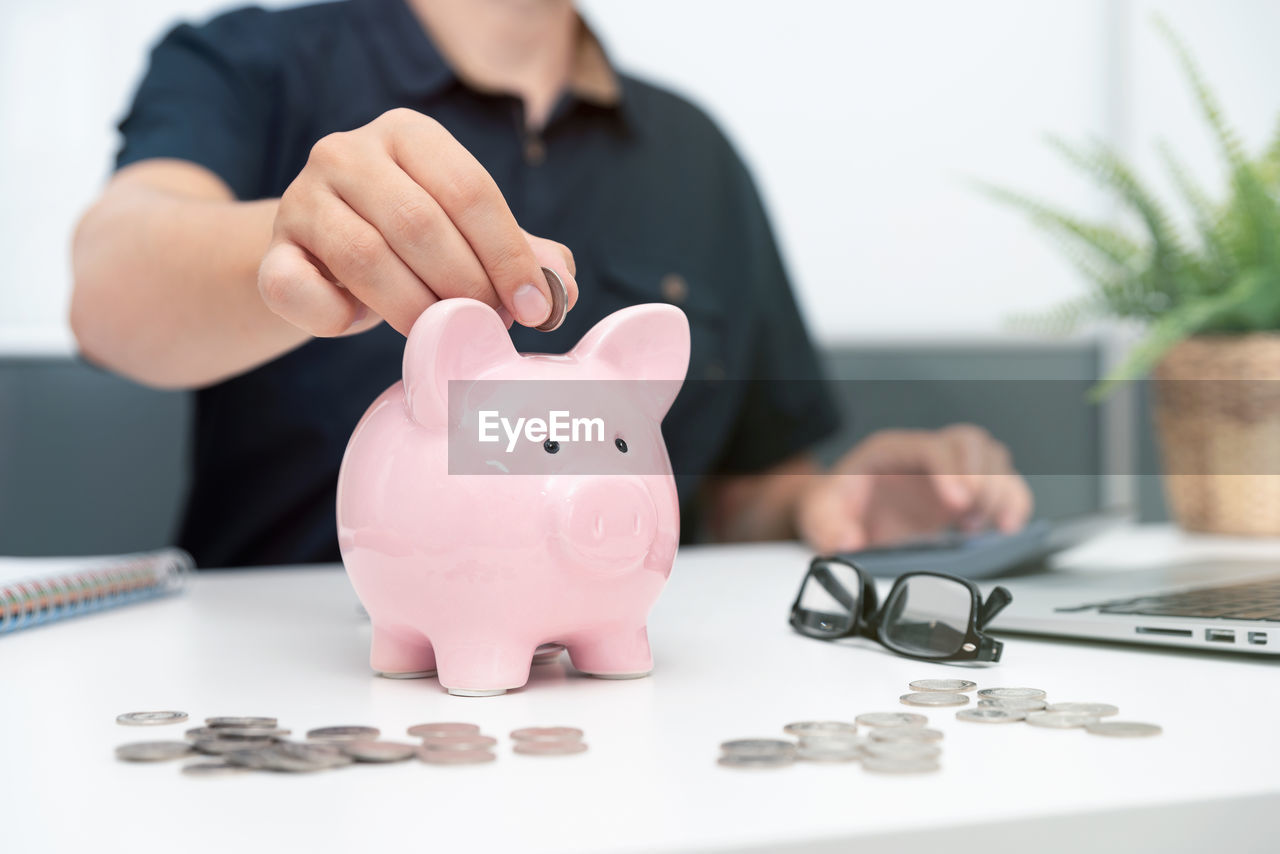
{"x":115,"y":581}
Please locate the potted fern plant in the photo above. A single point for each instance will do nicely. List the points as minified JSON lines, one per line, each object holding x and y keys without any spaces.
{"x":1207,"y":289}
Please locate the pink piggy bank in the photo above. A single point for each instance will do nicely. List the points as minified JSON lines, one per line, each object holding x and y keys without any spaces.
{"x":474,"y":532}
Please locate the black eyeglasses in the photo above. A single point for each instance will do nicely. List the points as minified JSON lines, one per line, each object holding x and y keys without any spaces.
{"x":926,"y":614}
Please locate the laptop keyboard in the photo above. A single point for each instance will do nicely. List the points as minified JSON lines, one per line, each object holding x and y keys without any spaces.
{"x":1258,"y":600}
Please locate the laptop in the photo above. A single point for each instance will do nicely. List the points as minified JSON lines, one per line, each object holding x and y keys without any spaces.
{"x":1222,"y":605}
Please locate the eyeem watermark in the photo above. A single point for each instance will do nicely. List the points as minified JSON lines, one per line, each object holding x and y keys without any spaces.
{"x":557,"y":427}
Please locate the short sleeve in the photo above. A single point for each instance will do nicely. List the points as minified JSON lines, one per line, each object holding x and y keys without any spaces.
{"x":787,"y":406}
{"x":206,"y":97}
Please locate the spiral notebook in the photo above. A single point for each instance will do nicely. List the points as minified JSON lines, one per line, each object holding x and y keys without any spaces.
{"x":40,"y":590}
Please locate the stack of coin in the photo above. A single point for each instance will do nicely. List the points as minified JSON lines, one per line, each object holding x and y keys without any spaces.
{"x":453,"y":744}
{"x":826,"y":741}
{"x":900,"y":743}
{"x":757,"y":753}
{"x":548,"y":741}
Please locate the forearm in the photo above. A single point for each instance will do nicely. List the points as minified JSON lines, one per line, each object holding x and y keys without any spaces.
{"x":166,"y":280}
{"x":746,"y":508}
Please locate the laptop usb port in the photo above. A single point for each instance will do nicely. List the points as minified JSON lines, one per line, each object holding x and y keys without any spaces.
{"x":1220,"y":635}
{"x":1258,"y":638}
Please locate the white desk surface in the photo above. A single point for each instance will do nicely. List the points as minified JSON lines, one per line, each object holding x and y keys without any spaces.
{"x":290,"y":643}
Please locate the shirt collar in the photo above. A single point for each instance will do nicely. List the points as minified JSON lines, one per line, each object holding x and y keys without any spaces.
{"x":418,"y":68}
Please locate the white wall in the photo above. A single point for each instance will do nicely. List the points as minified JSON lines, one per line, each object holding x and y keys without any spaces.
{"x":861,"y":119}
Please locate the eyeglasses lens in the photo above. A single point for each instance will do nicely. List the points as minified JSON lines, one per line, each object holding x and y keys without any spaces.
{"x":829,"y":599}
{"x":927,"y":616}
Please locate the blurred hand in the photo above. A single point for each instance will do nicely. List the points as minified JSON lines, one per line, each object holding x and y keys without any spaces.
{"x":387,"y":219}
{"x":896,"y":485}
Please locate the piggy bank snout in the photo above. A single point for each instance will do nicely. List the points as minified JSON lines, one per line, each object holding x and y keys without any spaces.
{"x":609,"y":520}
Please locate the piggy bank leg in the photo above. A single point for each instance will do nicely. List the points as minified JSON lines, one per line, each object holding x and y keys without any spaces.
{"x":613,"y":654}
{"x":482,"y":668}
{"x":401,"y":654}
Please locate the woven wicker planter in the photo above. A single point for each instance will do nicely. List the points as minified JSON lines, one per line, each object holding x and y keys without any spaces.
{"x":1218,"y":415}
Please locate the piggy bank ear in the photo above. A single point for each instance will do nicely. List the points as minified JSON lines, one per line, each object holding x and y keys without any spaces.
{"x":454,"y":339}
{"x":644,"y":342}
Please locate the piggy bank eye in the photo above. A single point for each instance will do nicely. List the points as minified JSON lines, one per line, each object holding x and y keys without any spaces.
{"x":620,"y":444}
{"x":551,"y":447}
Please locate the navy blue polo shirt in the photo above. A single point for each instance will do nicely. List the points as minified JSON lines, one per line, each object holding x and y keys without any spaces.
{"x":641,"y":185}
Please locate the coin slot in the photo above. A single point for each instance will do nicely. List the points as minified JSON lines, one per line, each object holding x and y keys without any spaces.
{"x":1220,"y":635}
{"x":1155,"y":630}
{"x":1258,"y":638}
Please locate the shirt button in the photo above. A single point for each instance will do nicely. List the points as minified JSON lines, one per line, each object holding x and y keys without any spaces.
{"x":673,"y":288}
{"x":535,"y":151}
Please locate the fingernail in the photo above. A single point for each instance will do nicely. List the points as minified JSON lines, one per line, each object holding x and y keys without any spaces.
{"x":531,"y":306}
{"x":362,"y":311}
{"x":505,"y":316}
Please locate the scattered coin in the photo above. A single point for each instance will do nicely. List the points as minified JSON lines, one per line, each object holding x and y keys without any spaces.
{"x":547,"y":733}
{"x":153,"y":751}
{"x":559,"y":301}
{"x":456,"y":757}
{"x":877,"y":719}
{"x":1012,"y":693}
{"x":462,"y":742}
{"x":291,"y":757}
{"x":223,"y":746}
{"x":821,"y":729}
{"x":549,"y":748}
{"x":778,"y":760}
{"x":212,"y":769}
{"x":228,"y":733}
{"x":933,"y":698}
{"x":758,"y":747}
{"x":425,"y":730}
{"x":343,"y":733}
{"x":905,"y":733}
{"x":1098,"y":710}
{"x":1012,"y":705}
{"x":950,"y":686}
{"x":150,"y":718}
{"x":884,"y":765}
{"x":991,"y":716}
{"x":1123,"y":729}
{"x":1060,"y":720}
{"x":903,"y":750}
{"x":829,"y":751}
{"x":363,"y":750}
{"x":242,"y":723}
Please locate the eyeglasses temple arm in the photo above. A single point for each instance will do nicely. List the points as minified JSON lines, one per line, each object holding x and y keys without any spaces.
{"x":995,"y":603}
{"x":834,"y":588}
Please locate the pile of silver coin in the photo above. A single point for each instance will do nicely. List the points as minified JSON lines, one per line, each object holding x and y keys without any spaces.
{"x":902,"y":742}
{"x":234,"y":745}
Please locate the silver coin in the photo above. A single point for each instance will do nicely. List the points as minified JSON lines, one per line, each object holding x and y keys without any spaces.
{"x":831,"y":742}
{"x":906,"y":733}
{"x":828,"y":752}
{"x":343,"y":733}
{"x":885,"y":765}
{"x":949,"y":686}
{"x":153,"y":751}
{"x":223,"y":746}
{"x":1060,"y":720}
{"x":1012,"y":693}
{"x":991,"y":716}
{"x":291,"y":757}
{"x":228,"y":733}
{"x":903,"y":750}
{"x":933,"y":698}
{"x":547,"y":653}
{"x":1098,"y":710}
{"x":460,"y":742}
{"x":378,"y":751}
{"x":547,"y":733}
{"x":780,"y":760}
{"x":425,"y":730}
{"x":821,"y":729}
{"x":242,"y":723}
{"x":150,"y":718}
{"x":212,"y":769}
{"x":1012,"y":705}
{"x":758,"y":747}
{"x":1123,"y":729}
{"x":456,"y":757}
{"x":559,"y":301}
{"x":877,"y":719}
{"x":548,"y":748}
